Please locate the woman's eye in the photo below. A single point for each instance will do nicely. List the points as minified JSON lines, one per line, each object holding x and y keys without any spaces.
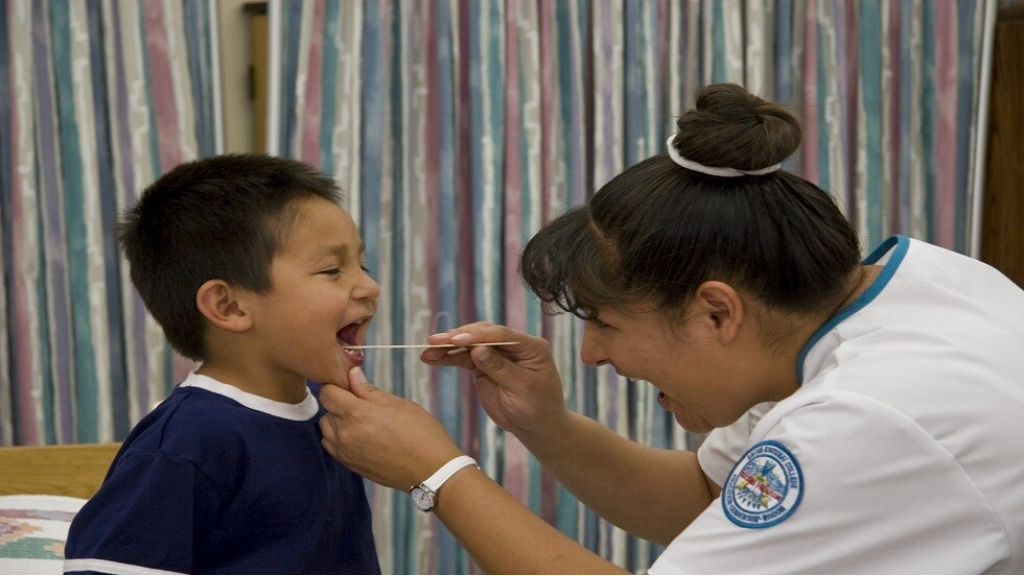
{"x":365,"y":268}
{"x":598,"y":323}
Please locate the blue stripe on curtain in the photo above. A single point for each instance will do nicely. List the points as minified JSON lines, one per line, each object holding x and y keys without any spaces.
{"x":719,"y":68}
{"x":117,"y":379}
{"x":372,"y":170}
{"x":330,"y":72}
{"x":85,"y":362}
{"x":565,"y":96}
{"x":452,"y":560}
{"x":56,"y":338}
{"x":568,"y":47}
{"x":134,"y":327}
{"x":372,"y":129}
{"x":965,"y":97}
{"x":905,"y":112}
{"x":486,"y":106}
{"x":291,"y":25}
{"x":821,"y":105}
{"x":200,"y":54}
{"x":636,"y":109}
{"x":403,"y":520}
{"x":784,"y":57}
{"x":870,"y":19}
{"x":928,"y":113}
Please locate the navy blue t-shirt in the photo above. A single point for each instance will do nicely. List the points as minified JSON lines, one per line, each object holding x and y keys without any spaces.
{"x":216,"y":480}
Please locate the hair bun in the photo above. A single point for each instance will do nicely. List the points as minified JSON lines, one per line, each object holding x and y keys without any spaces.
{"x":732,"y":128}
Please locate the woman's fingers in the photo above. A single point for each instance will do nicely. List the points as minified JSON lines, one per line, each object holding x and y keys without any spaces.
{"x":487,"y":361}
{"x":466,"y":336}
{"x":335,"y":399}
{"x":361,"y":388}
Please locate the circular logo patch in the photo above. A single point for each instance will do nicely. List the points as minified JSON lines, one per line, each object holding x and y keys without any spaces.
{"x":764,"y":487}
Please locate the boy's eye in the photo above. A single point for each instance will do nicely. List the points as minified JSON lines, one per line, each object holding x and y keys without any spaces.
{"x":364,"y":267}
{"x":331,"y":271}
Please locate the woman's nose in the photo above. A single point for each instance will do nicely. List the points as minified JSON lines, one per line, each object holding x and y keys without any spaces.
{"x":591,"y":351}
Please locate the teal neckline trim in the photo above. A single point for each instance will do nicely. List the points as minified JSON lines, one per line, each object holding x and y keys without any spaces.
{"x":902,"y":244}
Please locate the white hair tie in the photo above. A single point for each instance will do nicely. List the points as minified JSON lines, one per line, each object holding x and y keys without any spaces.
{"x":723,"y":172}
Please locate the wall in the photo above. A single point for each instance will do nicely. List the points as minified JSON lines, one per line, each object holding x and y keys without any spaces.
{"x":1002,"y":236}
{"x":236,"y":79}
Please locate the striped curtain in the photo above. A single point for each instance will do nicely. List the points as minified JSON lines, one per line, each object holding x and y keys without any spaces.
{"x":459,"y":127}
{"x":97,"y":99}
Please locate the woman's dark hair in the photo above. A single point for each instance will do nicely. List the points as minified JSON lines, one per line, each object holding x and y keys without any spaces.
{"x":658,"y":230}
{"x":221,"y":217}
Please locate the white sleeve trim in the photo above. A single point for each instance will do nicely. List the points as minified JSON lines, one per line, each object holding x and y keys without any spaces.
{"x":108,"y":567}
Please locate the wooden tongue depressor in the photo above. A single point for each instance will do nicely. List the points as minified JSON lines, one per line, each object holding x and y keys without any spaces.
{"x":393,"y":346}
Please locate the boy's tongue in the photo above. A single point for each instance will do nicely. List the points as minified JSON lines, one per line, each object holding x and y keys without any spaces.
{"x":348,"y":334}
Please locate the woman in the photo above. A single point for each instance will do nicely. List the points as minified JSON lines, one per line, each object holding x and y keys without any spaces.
{"x":864,"y":416}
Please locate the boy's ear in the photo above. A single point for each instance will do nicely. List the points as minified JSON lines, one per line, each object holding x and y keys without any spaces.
{"x":723,"y":309}
{"x":218,"y":302}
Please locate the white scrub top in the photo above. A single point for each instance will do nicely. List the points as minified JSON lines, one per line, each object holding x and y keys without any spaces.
{"x":903,"y":449}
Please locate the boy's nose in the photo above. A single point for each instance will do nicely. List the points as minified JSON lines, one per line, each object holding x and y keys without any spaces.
{"x":367,"y":288}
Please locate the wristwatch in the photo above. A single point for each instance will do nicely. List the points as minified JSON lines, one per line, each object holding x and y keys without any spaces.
{"x":424,"y":496}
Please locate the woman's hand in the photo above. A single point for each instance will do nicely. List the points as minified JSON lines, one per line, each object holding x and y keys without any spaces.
{"x":387,"y":439}
{"x":518,"y":385}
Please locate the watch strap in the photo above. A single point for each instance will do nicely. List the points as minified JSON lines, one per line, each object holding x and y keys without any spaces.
{"x":447,"y":471}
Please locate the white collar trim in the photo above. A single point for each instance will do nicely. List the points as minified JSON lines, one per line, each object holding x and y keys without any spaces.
{"x":300,"y":412}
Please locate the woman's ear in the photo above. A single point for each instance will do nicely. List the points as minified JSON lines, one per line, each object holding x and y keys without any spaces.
{"x":218,"y":302}
{"x":723,"y":309}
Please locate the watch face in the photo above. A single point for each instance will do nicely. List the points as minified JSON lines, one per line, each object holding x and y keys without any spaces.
{"x":422,"y":499}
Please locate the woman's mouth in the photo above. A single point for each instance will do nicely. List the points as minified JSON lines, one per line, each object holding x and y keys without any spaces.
{"x":685,"y":418}
{"x":663,"y":400}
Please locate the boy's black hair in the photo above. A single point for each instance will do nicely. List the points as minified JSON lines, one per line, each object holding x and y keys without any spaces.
{"x":221,"y":217}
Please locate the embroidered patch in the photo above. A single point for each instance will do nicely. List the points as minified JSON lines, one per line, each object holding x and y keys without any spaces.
{"x":764,"y":488}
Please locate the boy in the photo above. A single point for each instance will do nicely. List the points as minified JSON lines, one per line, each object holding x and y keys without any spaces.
{"x":252,"y":268}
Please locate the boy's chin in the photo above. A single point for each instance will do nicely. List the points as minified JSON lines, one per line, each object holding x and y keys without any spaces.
{"x":339,"y":380}
{"x":335,"y":376}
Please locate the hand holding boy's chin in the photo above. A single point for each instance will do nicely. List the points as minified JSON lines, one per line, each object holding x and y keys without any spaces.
{"x":338,"y":375}
{"x":340,"y":382}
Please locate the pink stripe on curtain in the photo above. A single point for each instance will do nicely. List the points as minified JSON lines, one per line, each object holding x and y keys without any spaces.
{"x":547,"y":114}
{"x":466,"y":244}
{"x":809,"y":158}
{"x":163,"y":90}
{"x":166,"y":112}
{"x":309,"y":150}
{"x":432,"y":173}
{"x":548,"y":485}
{"x":515,"y":312}
{"x":21,"y":337}
{"x":945,"y":122}
{"x":517,"y":469}
{"x":849,"y":95}
{"x":894,"y":117}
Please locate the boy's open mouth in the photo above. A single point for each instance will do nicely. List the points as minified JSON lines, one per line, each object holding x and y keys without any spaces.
{"x":349,"y":335}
